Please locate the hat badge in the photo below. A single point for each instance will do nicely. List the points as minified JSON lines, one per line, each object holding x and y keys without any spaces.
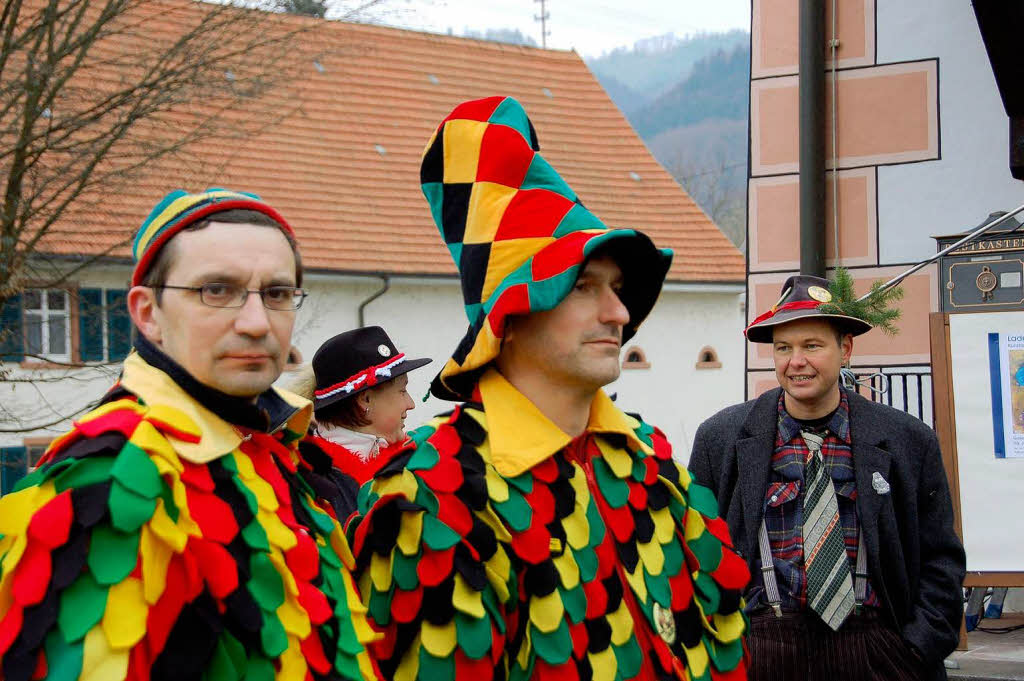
{"x":820,"y":294}
{"x":384,"y":350}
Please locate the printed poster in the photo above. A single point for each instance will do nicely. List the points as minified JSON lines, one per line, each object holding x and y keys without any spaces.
{"x":1006,"y":374}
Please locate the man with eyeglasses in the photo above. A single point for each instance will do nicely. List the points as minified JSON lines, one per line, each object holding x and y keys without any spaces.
{"x":174,"y":533}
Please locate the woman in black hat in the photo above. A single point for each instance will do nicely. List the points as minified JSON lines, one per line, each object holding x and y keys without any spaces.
{"x":359,"y":403}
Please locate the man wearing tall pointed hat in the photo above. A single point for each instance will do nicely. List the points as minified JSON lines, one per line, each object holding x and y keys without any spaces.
{"x":537,"y":531}
{"x":173,"y":532}
{"x":840,"y":505}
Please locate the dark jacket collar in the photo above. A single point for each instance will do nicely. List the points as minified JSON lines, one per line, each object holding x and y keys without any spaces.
{"x":864,"y":429}
{"x":838,"y":423}
{"x":763,"y":417}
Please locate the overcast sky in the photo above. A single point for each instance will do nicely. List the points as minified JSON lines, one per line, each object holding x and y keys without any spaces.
{"x":589,"y":26}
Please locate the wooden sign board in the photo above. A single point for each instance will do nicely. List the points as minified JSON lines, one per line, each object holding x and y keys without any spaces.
{"x":978,"y":383}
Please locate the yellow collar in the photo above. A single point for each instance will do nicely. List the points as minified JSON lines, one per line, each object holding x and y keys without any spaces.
{"x":217,"y":436}
{"x":521,"y":436}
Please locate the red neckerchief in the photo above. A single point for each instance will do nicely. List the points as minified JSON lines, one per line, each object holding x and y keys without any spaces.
{"x":350,"y":463}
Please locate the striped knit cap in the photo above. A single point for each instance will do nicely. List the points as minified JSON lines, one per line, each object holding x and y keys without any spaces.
{"x":517,"y":232}
{"x":180,"y":209}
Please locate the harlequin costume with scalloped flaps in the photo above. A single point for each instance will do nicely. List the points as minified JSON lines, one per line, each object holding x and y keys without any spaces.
{"x":497,"y":547}
{"x":172,"y":534}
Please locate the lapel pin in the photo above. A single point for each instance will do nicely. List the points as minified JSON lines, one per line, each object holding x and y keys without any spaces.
{"x":879,"y":483}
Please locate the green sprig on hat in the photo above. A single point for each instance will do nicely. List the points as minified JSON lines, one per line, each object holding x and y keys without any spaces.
{"x":875,"y":308}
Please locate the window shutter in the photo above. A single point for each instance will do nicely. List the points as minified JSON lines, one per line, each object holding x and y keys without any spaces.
{"x":13,"y":467}
{"x":90,"y":324}
{"x":119,"y":325}
{"x":11,"y":337}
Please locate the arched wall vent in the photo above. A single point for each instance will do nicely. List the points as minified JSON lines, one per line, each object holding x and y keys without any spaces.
{"x":635,"y":358}
{"x":707,"y":358}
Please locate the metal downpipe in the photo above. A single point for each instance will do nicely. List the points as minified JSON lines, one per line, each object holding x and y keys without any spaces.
{"x":374,"y":296}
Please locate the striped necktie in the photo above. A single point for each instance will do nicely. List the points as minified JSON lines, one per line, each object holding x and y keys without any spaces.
{"x":829,"y":586}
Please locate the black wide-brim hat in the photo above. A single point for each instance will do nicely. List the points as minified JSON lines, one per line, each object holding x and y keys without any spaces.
{"x":355,"y":361}
{"x":802,"y":297}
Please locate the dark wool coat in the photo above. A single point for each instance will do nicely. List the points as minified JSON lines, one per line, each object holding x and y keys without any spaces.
{"x":915,"y":560}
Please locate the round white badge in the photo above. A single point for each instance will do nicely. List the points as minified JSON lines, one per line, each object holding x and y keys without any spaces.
{"x":819,"y":294}
{"x":665,"y":623}
{"x":384,"y":350}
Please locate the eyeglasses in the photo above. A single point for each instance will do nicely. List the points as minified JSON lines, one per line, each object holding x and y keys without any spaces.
{"x":216,"y":294}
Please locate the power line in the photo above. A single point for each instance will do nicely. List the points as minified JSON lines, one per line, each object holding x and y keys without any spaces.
{"x":543,"y":19}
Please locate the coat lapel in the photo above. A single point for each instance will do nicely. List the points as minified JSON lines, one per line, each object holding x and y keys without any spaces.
{"x":868,"y":459}
{"x":753,"y":460}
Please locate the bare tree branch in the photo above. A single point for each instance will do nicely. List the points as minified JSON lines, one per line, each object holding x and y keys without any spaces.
{"x":707,"y":159}
{"x":96,"y":95}
{"x":94,"y":92}
{"x":39,"y":426}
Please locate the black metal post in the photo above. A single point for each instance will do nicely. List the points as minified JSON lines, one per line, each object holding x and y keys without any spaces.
{"x":812,"y":137}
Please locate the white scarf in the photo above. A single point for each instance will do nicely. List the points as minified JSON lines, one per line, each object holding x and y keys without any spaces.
{"x":364,"y":445}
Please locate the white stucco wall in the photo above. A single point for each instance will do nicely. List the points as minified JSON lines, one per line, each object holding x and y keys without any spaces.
{"x":673,"y":394}
{"x":972,"y":176}
{"x":425,"y":318}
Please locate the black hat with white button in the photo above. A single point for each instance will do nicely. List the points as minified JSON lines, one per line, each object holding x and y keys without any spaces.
{"x":356,"y":360}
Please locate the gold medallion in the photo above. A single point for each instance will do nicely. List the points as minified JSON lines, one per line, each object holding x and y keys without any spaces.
{"x":665,"y":623}
{"x":819,"y":294}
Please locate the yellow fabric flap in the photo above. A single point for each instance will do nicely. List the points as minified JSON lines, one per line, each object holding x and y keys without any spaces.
{"x":521,"y":436}
{"x":217,"y":436}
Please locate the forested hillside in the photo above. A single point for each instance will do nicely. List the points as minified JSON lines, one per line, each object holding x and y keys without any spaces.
{"x":656,"y":65}
{"x":687,"y":98}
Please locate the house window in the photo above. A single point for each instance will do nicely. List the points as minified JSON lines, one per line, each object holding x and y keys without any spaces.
{"x":635,"y":359}
{"x":60,"y":325}
{"x":35,"y":447}
{"x":105,"y":329}
{"x":12,"y":468}
{"x":707,"y":358}
{"x":46,"y":316}
{"x":17,"y":462}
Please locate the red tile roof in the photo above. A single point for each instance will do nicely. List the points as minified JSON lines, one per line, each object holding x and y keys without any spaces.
{"x":343,"y":163}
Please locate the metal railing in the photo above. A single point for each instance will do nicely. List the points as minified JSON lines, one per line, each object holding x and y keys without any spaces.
{"x":907,"y":389}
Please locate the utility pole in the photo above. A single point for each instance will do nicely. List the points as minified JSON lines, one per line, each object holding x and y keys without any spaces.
{"x":543,"y":19}
{"x":812,"y":136}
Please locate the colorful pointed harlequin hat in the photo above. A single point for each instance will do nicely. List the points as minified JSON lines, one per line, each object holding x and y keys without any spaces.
{"x":805,"y":296}
{"x":517,"y":232}
{"x":180,"y":209}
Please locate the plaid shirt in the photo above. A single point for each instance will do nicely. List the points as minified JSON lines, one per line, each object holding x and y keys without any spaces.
{"x":784,"y":500}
